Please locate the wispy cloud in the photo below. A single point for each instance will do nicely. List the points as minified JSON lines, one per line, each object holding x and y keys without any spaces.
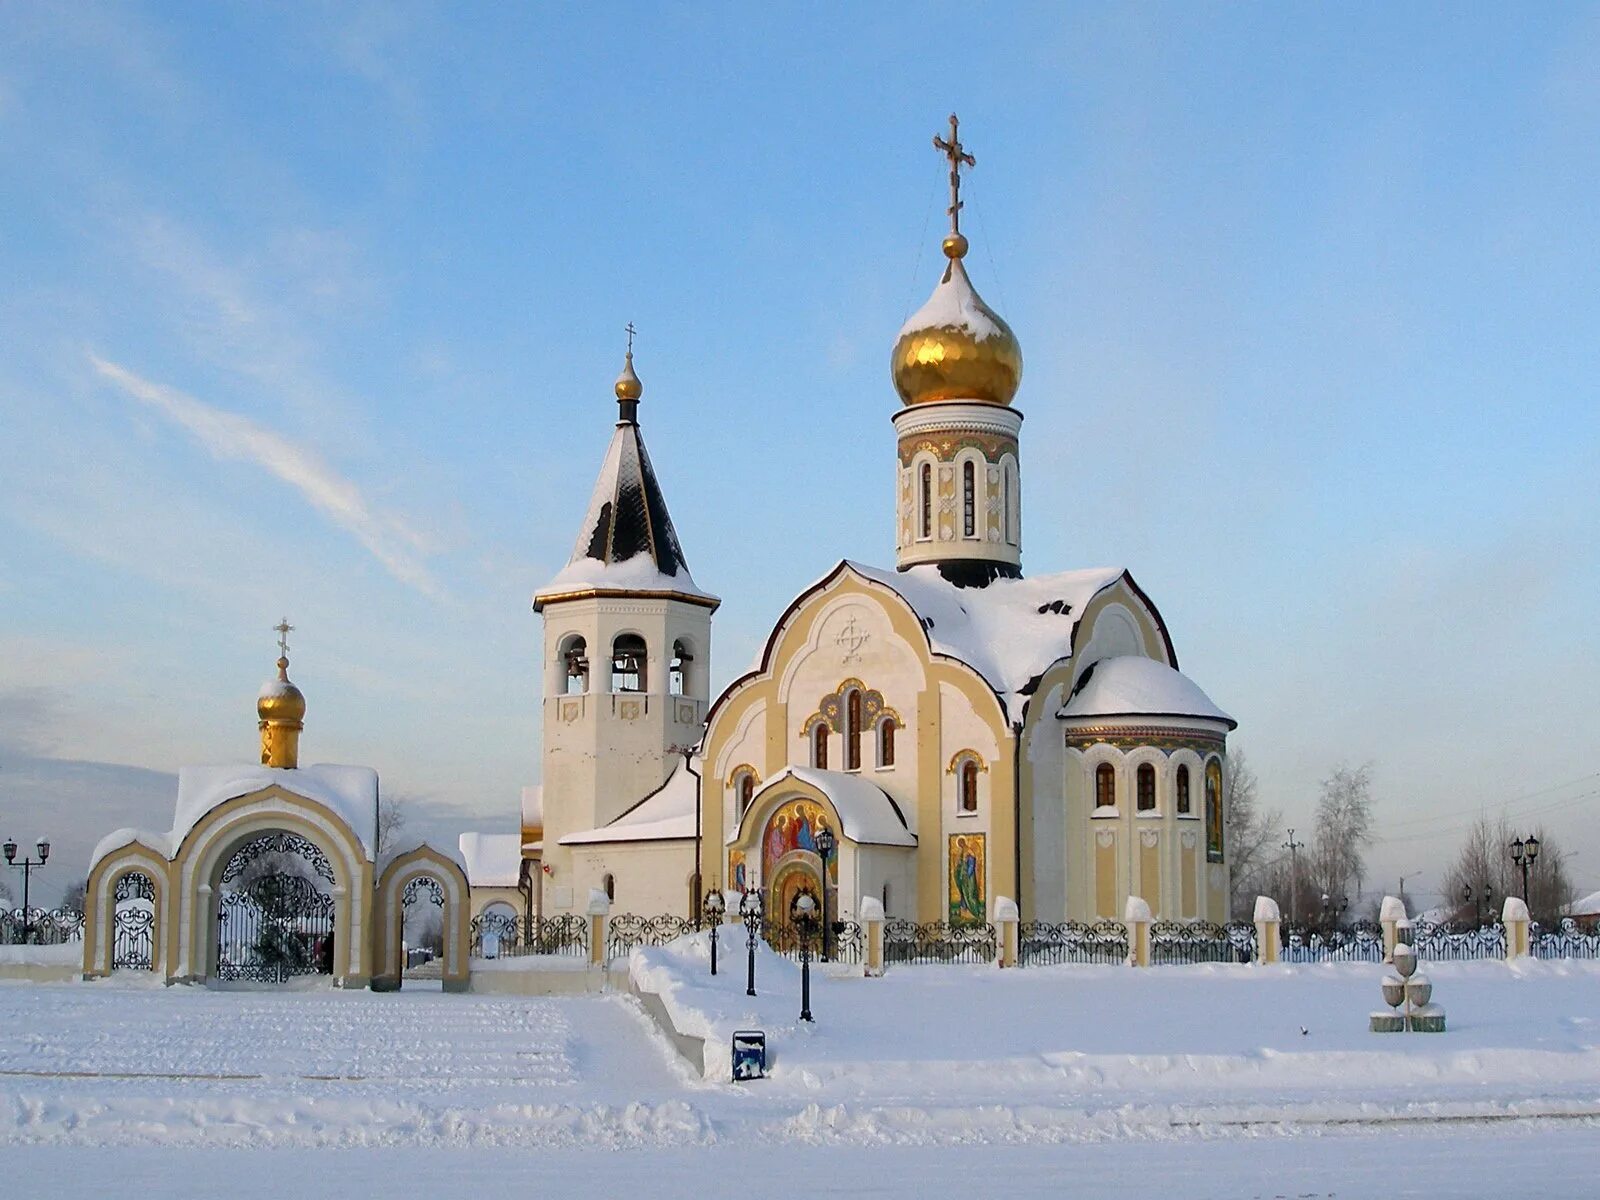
{"x":386,"y":536}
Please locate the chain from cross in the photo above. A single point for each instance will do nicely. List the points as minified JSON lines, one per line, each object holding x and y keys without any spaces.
{"x":631,"y":331}
{"x":283,"y":629}
{"x":957,"y":154}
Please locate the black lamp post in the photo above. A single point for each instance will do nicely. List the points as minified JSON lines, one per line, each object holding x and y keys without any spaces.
{"x":27,"y":865}
{"x":714,"y":907}
{"x":803,"y":912}
{"x":1523,"y":854}
{"x":825,"y":845}
{"x":750,"y":909}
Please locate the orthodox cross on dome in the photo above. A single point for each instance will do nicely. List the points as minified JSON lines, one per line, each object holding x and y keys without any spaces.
{"x":631,"y":331}
{"x":957,"y":154}
{"x":283,"y":629}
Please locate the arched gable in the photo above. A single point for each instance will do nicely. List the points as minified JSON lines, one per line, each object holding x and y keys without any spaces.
{"x":100,"y":903}
{"x":424,"y":862}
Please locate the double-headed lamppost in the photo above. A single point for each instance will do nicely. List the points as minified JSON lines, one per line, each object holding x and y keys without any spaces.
{"x":804,"y":914}
{"x":1523,"y":852}
{"x":27,"y":865}
{"x":750,"y":909}
{"x":825,"y":844}
{"x":714,"y":906}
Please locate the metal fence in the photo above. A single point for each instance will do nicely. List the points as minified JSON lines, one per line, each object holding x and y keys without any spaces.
{"x":1567,"y":940}
{"x":938,"y":942}
{"x":517,"y":936}
{"x":45,"y":926}
{"x":1446,"y":942}
{"x":847,"y":940}
{"x":1044,"y":943}
{"x":1360,"y":941}
{"x":627,"y":932}
{"x":1201,"y":942}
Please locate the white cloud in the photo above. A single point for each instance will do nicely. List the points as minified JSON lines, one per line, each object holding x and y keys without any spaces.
{"x":230,"y":436}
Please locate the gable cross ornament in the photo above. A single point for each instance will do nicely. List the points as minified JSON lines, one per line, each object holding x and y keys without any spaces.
{"x":851,"y":638}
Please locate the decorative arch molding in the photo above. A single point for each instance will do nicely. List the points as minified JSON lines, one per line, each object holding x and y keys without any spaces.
{"x":963,"y":756}
{"x":423,"y":865}
{"x":100,"y":905}
{"x":198,"y":865}
{"x":830,"y":709}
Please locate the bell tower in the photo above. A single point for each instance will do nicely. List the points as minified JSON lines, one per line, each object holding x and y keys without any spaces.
{"x":957,"y":365}
{"x":627,"y":653}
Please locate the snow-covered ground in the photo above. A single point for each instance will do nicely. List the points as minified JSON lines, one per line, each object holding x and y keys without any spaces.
{"x":1186,"y":1082}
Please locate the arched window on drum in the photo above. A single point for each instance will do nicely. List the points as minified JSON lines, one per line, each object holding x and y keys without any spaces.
{"x":1105,"y":786}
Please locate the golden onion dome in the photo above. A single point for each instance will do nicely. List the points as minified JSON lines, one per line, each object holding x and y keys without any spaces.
{"x":955,"y":347}
{"x":280,"y":700}
{"x":628,"y":386}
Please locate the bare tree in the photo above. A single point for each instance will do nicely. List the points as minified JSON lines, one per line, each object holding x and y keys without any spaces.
{"x":1342,"y":831}
{"x":74,"y":897}
{"x":1483,"y":875}
{"x":392,"y":813}
{"x":1251,"y":834}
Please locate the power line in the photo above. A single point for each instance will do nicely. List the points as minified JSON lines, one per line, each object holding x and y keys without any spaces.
{"x":1486,"y":806}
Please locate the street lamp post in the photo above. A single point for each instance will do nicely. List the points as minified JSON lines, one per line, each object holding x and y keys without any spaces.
{"x":825,"y":845}
{"x":1523,"y":854}
{"x":715,"y":905}
{"x":804,"y":914}
{"x":27,"y":865}
{"x":750,"y":910}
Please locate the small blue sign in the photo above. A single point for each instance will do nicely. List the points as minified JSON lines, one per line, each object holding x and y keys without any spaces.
{"x":749,"y":1054}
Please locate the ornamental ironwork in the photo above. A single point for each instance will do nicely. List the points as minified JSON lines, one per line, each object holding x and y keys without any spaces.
{"x":1300,"y":942}
{"x":1445,"y":941}
{"x":279,"y":841}
{"x":1202,"y":942}
{"x":273,"y":929}
{"x":133,"y":938}
{"x":1044,"y":943}
{"x":626,"y":933}
{"x":419,"y":885}
{"x":847,"y":940}
{"x":1567,"y":940}
{"x":566,"y":934}
{"x":135,"y":885}
{"x":44,"y":926}
{"x":939,"y":942}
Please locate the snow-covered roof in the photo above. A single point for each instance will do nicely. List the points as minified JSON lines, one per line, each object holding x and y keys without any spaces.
{"x":492,"y":859}
{"x":1589,"y":906}
{"x":1130,"y":685}
{"x":1009,"y":631}
{"x":161,"y":843}
{"x":627,"y":540}
{"x":533,"y":806}
{"x":454,"y":856}
{"x":351,"y":792}
{"x":666,"y":814}
{"x":867,"y":814}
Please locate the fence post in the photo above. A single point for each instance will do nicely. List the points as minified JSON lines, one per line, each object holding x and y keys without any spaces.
{"x":872,"y":922}
{"x":1136,"y":915}
{"x":1516,"y":919}
{"x":1005,"y":916}
{"x":1390,"y":915}
{"x":1267,"y":918}
{"x":599,"y":914}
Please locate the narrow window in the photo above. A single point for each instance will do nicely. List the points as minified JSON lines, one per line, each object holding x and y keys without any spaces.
{"x":746,"y":789}
{"x":852,"y":737}
{"x":969,"y":786}
{"x":1183,"y":791}
{"x":886,"y":742}
{"x":611,"y":887}
{"x":1105,"y":786}
{"x":819,"y":746}
{"x":678,"y":671}
{"x":576,"y":666}
{"x":628,"y":663}
{"x":969,"y":500}
{"x":1147,"y":788}
{"x":1005,"y":501}
{"x":926,"y":492}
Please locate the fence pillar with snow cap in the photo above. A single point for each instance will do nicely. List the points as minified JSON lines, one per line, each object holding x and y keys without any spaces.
{"x":1391,"y":915}
{"x":599,"y":915}
{"x":1005,"y":917}
{"x":1518,"y":928}
{"x":1268,"y":919}
{"x":1136,"y":916}
{"x":872,"y":921}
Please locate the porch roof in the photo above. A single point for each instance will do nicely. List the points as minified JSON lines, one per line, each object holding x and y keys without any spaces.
{"x":868,"y":815}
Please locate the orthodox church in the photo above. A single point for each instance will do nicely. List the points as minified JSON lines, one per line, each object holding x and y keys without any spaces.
{"x":966,"y":732}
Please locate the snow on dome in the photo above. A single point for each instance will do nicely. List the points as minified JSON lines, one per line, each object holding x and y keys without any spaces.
{"x":955,"y":304}
{"x":955,"y":347}
{"x":492,"y":859}
{"x":867,"y":814}
{"x":1009,"y":631}
{"x":1131,"y":685}
{"x":351,"y":792}
{"x":666,"y":814}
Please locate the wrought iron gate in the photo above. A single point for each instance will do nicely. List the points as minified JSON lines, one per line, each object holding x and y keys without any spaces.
{"x":133,"y":923}
{"x":278,"y":924}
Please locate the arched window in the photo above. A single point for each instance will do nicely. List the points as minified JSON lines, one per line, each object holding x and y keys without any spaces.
{"x":1005,"y":502}
{"x":925,"y":495}
{"x":1213,"y":811}
{"x":1147,"y":788}
{"x":628,"y":663}
{"x":1183,"y":792}
{"x":969,"y":500}
{"x":744,"y":790}
{"x":886,"y":728}
{"x":969,"y":786}
{"x":610,"y":885}
{"x":678,"y":670}
{"x":852,"y":731}
{"x":575,"y":666}
{"x":819,"y":746}
{"x":1105,"y":786}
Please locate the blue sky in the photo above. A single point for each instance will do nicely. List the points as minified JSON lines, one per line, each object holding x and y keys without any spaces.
{"x":315,"y":310}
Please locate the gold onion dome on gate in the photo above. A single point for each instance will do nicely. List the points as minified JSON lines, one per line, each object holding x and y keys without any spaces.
{"x":955,"y":347}
{"x":280,"y":701}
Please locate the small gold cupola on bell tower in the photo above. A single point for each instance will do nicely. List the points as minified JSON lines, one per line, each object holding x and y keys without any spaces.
{"x":281,"y":710}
